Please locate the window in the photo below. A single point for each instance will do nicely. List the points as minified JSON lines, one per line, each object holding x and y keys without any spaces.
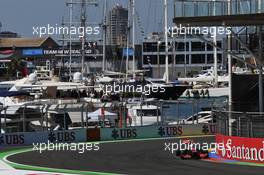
{"x":180,"y":59}
{"x":198,"y":59}
{"x":162,"y":47}
{"x":150,"y":47}
{"x":162,"y":59}
{"x":219,"y":44}
{"x":152,"y":59}
{"x":209,"y":47}
{"x":219,"y":58}
{"x":198,"y":46}
{"x":170,"y":59}
{"x":180,"y":46}
{"x":210,"y":59}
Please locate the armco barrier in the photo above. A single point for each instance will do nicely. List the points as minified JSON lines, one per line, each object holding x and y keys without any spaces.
{"x":241,"y":148}
{"x":28,"y":138}
{"x":156,"y":131}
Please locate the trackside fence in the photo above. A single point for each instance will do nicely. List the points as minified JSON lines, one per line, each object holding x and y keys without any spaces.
{"x":242,"y":124}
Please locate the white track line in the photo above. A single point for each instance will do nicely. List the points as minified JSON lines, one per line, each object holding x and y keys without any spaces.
{"x":5,"y":166}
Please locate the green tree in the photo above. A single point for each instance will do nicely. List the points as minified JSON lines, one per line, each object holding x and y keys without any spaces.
{"x":16,"y":65}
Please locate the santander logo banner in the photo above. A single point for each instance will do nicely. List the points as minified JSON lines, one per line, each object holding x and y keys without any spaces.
{"x":241,"y":148}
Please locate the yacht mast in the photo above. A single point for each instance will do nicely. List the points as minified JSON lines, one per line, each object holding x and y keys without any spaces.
{"x":229,"y":57}
{"x":128,"y":38}
{"x":70,"y":47}
{"x":215,"y":53}
{"x":83,"y":4}
{"x":104,"y":36}
{"x":83,"y":21}
{"x":133,"y":35}
{"x":166,"y":39}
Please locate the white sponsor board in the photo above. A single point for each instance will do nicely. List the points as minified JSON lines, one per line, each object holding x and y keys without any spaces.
{"x":156,"y":131}
{"x":28,"y":138}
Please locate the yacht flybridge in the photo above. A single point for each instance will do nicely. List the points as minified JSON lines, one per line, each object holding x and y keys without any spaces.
{"x":204,"y":85}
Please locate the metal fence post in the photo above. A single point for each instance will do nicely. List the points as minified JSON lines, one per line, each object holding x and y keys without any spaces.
{"x":5,"y":120}
{"x":178,"y":111}
{"x":238,"y":126}
{"x":23,"y":118}
{"x":161,"y":111}
{"x":87,"y":116}
{"x":42,"y":116}
{"x":82,"y":116}
{"x":193,"y":111}
{"x":157,"y":114}
{"x":0,"y":123}
{"x":46,"y":117}
{"x":64,"y":117}
{"x":227,"y":130}
{"x":250,"y":127}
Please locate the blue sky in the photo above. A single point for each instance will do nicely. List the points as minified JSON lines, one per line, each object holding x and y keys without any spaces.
{"x":21,"y":15}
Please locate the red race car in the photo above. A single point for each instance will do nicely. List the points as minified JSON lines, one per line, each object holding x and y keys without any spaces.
{"x":192,"y":153}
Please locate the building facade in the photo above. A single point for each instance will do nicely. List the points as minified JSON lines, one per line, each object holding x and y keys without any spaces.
{"x":117,"y":29}
{"x":187,"y":55}
{"x":29,"y":51}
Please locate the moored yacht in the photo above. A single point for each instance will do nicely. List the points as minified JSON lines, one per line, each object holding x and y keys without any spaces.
{"x":142,"y":115}
{"x":205,"y":86}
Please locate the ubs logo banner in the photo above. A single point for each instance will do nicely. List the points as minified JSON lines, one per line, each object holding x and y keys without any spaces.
{"x":12,"y":139}
{"x":170,"y":131}
{"x":27,"y":138}
{"x":209,"y":129}
{"x":127,"y":133}
{"x":61,"y":136}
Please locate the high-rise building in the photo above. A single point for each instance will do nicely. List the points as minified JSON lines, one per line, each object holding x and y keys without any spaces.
{"x":117,"y":26}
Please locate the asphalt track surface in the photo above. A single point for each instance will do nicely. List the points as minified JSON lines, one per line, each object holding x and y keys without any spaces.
{"x":133,"y":157}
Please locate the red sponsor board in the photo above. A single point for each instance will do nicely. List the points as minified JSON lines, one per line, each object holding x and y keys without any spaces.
{"x":240,"y":148}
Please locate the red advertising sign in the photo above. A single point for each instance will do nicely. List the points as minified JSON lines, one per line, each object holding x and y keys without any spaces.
{"x":241,"y":148}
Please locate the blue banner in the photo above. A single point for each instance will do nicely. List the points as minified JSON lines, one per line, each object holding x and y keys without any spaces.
{"x":128,"y":51}
{"x":32,"y":52}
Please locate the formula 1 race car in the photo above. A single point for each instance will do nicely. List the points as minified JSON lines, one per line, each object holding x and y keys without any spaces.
{"x":192,"y":153}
